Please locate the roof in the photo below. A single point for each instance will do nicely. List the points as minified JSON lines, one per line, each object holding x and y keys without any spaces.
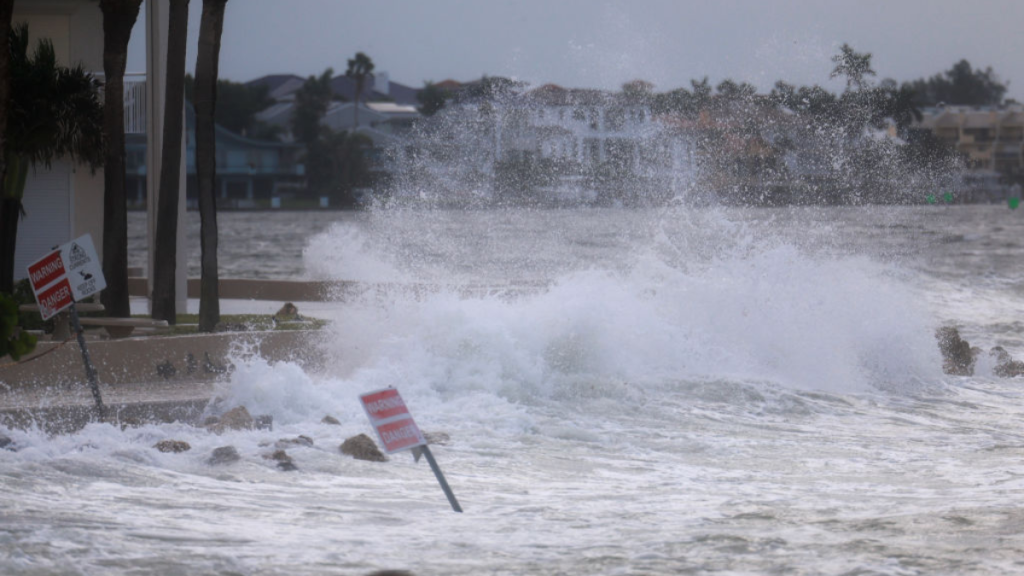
{"x":403,"y":94}
{"x":271,"y":81}
{"x":279,"y":86}
{"x":392,"y":108}
{"x":345,"y":87}
{"x":448,"y":84}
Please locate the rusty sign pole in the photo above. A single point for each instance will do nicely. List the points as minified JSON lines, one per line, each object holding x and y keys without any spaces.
{"x":90,"y":370}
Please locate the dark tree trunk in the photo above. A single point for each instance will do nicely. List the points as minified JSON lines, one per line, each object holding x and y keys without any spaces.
{"x":119,"y":17}
{"x":205,"y":101}
{"x":10,"y":208}
{"x":165,"y":261}
{"x":10,"y":212}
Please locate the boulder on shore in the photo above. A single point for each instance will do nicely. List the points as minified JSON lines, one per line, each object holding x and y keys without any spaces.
{"x":362,"y":447}
{"x":238,"y":418}
{"x":224,"y":455}
{"x":959,"y":358}
{"x":1006,"y":366}
{"x":283,"y":459}
{"x":173,"y":446}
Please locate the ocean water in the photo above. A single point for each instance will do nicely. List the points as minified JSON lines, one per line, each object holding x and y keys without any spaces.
{"x":662,"y":391}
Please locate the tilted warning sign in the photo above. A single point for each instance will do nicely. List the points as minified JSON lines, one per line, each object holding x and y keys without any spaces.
{"x":65,"y":275}
{"x":392,"y":421}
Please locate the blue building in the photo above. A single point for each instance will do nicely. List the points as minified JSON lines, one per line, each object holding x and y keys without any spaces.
{"x":249,"y":172}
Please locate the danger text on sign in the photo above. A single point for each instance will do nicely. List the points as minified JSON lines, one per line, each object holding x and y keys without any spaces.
{"x":400,"y":435}
{"x":54,"y":299}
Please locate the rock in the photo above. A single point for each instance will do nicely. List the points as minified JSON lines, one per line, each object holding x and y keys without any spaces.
{"x":264,"y":422}
{"x":210,"y":421}
{"x":330,"y":420}
{"x":284,"y":461}
{"x":238,"y":418}
{"x":173,"y":446}
{"x":6,"y":443}
{"x":287,"y":312}
{"x":298,"y":441}
{"x":361,"y":447}
{"x":1006,"y":366}
{"x":223,"y":455}
{"x":957,"y":354}
{"x":439,"y":438}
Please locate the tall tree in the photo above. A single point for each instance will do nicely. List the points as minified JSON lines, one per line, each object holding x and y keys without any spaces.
{"x":960,"y":85}
{"x":7,"y":209}
{"x":165,"y":261}
{"x":119,"y":18}
{"x":853,"y":66}
{"x":211,"y":26}
{"x":52,"y":112}
{"x":311,"y":102}
{"x":431,"y":98}
{"x":238,"y":105}
{"x":358,"y":68}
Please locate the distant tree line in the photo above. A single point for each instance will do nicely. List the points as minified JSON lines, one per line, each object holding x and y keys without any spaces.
{"x":337,"y":163}
{"x":793,"y":144}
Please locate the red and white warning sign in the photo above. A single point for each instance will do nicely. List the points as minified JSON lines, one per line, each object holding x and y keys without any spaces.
{"x":65,"y":275}
{"x":392,"y":421}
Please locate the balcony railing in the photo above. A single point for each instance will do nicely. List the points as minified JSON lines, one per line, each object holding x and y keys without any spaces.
{"x":135,"y":103}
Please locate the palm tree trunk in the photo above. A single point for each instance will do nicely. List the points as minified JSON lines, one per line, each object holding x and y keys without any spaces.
{"x":10,"y":209}
{"x":119,"y":17}
{"x":165,"y":261}
{"x":205,"y":101}
{"x":355,"y":108}
{"x":10,"y":213}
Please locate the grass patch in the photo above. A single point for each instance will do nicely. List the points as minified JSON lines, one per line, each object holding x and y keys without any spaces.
{"x":189,"y":323}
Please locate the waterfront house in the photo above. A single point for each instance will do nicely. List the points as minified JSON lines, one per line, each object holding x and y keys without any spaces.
{"x":250,"y":172}
{"x":990,"y":139}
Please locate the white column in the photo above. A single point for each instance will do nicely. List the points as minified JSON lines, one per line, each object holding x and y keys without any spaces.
{"x":157,"y":17}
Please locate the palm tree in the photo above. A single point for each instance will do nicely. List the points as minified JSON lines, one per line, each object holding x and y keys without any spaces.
{"x":358,"y":68}
{"x":852,"y":65}
{"x":205,"y":101}
{"x":53,"y":112}
{"x":165,"y":261}
{"x":119,"y":17}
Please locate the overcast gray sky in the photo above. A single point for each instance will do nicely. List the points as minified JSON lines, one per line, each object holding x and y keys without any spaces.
{"x":604,"y":43}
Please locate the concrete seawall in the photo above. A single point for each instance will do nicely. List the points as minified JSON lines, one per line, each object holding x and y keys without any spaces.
{"x":168,"y":378}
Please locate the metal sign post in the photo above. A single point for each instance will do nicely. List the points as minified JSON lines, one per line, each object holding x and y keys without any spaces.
{"x":397,"y":431}
{"x":90,"y":370}
{"x":440,"y":478}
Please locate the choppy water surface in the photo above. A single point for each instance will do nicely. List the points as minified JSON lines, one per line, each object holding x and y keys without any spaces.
{"x":676,"y":392}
